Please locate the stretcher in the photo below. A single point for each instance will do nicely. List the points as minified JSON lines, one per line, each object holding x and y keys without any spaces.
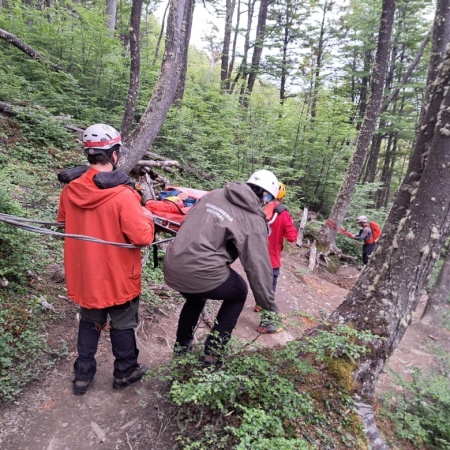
{"x":171,"y":208}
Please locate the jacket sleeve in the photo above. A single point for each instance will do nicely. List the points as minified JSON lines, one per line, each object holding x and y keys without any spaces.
{"x":61,"y":216}
{"x":133,"y":223}
{"x":289,"y":230}
{"x":363,"y":234}
{"x":254,"y":256}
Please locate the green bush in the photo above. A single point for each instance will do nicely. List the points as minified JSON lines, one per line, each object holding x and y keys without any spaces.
{"x":421,"y":413}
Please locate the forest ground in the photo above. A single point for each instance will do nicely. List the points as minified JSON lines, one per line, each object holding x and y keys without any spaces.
{"x":47,"y":416}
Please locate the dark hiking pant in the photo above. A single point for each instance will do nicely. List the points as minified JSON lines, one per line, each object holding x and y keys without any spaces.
{"x":276,"y":274}
{"x":233,"y":293}
{"x":367,"y":251}
{"x":124,"y":318}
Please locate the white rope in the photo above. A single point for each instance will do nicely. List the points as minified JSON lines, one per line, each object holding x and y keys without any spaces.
{"x":23,"y":223}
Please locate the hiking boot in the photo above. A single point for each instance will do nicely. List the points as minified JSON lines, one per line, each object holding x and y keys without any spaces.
{"x":269,"y":328}
{"x":138,"y":373}
{"x":257,"y":308}
{"x":80,"y":387}
{"x":212,"y":362}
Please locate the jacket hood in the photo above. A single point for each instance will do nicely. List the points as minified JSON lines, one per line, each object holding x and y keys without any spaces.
{"x":84,"y":193}
{"x":241,"y":195}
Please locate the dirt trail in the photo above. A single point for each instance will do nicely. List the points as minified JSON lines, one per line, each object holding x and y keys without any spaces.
{"x":47,"y":416}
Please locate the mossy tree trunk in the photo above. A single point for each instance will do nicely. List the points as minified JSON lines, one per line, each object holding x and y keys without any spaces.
{"x":389,"y":288}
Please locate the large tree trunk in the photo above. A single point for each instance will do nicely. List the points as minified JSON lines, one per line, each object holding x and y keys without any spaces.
{"x":389,"y":288}
{"x":135,"y":68}
{"x":164,"y":92}
{"x":439,"y":297}
{"x":187,"y":28}
{"x":328,"y":234}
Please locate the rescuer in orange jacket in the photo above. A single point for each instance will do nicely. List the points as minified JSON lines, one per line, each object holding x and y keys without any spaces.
{"x":105,"y":280}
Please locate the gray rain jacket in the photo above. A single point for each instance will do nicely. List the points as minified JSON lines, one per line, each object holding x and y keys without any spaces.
{"x":224,"y":225}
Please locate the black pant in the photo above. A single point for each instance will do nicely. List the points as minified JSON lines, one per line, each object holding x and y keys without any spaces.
{"x":124,"y":318}
{"x":233,"y":292}
{"x":276,"y":274}
{"x":367,"y":251}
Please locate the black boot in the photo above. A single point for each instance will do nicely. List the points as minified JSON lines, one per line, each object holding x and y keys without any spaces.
{"x":85,"y":365}
{"x":126,"y":353}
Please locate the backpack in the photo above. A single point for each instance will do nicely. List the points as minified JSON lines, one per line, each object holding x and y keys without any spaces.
{"x":376,"y":231}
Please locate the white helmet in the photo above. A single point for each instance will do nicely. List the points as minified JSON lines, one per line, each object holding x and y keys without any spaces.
{"x":362,"y":219}
{"x":100,"y":137}
{"x":266,"y":180}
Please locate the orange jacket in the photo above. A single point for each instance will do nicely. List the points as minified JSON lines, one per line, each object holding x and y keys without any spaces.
{"x":100,"y":275}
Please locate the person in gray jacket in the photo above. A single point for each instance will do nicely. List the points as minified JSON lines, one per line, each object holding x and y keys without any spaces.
{"x":224,"y":225}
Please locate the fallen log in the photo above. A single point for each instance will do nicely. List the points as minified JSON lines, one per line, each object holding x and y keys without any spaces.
{"x":25,"y":48}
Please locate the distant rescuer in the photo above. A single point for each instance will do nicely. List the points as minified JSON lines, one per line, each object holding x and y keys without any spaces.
{"x":282,"y":227}
{"x":224,"y":225}
{"x":105,"y":280}
{"x":366,"y":236}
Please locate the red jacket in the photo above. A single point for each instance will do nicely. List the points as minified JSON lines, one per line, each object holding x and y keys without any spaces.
{"x":281,"y":228}
{"x":100,"y":275}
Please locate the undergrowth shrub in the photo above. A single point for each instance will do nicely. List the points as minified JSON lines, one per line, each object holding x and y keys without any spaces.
{"x":263,"y":399}
{"x":15,"y":249}
{"x":421,"y":413}
{"x":22,"y":344}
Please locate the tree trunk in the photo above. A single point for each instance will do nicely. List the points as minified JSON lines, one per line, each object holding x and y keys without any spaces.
{"x":429,"y":114}
{"x":143,"y":136}
{"x":224,"y":74}
{"x":318,"y":68}
{"x":135,"y":68}
{"x":327,"y":234}
{"x":390,"y":287}
{"x":407,"y":73}
{"x":187,"y":28}
{"x":259,"y":44}
{"x":25,"y":48}
{"x":111,"y":14}
{"x":233,"y":52}
{"x":161,"y":33}
{"x":439,"y":297}
{"x":244,"y":64}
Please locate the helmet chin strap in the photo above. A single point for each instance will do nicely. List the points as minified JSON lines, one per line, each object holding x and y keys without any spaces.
{"x":110,"y":160}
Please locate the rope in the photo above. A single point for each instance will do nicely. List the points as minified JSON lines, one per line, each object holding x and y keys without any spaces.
{"x":333,"y":225}
{"x":22,"y":223}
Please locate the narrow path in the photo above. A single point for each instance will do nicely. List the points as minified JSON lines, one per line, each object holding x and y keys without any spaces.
{"x":47,"y":416}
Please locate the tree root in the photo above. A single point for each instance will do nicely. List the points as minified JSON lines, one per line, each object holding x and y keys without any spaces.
{"x":371,"y":431}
